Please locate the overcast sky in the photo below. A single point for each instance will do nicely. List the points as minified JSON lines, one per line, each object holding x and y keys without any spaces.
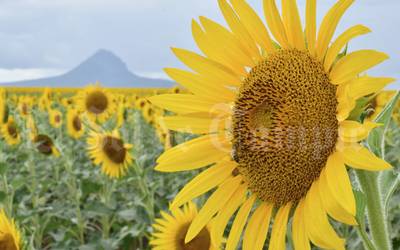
{"x":45,"y":37}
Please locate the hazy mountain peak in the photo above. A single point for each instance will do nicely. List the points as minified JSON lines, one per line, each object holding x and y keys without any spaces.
{"x":103,"y":66}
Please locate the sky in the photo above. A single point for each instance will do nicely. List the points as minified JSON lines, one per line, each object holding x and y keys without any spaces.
{"x":48,"y":37}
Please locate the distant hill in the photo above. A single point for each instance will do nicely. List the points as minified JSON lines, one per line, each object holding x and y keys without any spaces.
{"x":103,"y":66}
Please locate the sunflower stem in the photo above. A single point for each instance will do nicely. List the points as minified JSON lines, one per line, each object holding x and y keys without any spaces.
{"x":376,"y":215}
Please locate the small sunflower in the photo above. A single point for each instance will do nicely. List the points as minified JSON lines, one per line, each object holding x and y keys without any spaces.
{"x":378,"y":103}
{"x":285,"y":140}
{"x":121,"y":115}
{"x":3,"y":107}
{"x":170,"y":231}
{"x":31,"y":127}
{"x":75,"y":127}
{"x":55,"y":118}
{"x":141,"y":103}
{"x":45,"y":100}
{"x":44,"y":144}
{"x":96,"y":102}
{"x":24,"y":106}
{"x":10,"y":237}
{"x":10,"y":132}
{"x":109,"y":150}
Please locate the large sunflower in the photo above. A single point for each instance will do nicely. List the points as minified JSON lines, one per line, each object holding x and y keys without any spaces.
{"x":10,"y":132}
{"x":109,"y":150}
{"x":273,"y":113}
{"x":170,"y":231}
{"x":10,"y":237}
{"x":75,"y":127}
{"x":96,"y":102}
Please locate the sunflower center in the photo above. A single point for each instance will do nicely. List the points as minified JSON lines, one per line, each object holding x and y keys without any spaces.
{"x":97,"y":102}
{"x":12,"y":130}
{"x":201,"y":242}
{"x":57,"y":119}
{"x":76,"y":123}
{"x":44,"y":144}
{"x":114,"y":149}
{"x":7,"y":242}
{"x":284,"y":125}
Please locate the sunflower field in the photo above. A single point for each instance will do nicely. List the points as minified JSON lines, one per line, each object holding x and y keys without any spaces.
{"x":63,"y":198}
{"x":277,"y":139}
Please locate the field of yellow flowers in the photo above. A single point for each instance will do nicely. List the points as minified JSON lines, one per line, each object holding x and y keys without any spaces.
{"x":77,"y":165}
{"x":58,"y":194}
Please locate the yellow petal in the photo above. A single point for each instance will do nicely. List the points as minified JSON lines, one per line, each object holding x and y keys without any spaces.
{"x":328,"y":26}
{"x":299,"y":233}
{"x":257,"y":228}
{"x":211,"y":49}
{"x":253,"y":24}
{"x":201,"y":86}
{"x":311,"y":25}
{"x":214,"y":204}
{"x":292,"y":22}
{"x":222,"y":219}
{"x":345,"y":103}
{"x":278,"y":236}
{"x":355,"y":63}
{"x":357,"y":156}
{"x":227,"y":43}
{"x":332,"y":201}
{"x":319,"y":230}
{"x":195,"y":125}
{"x":207,"y":67}
{"x":239,"y":222}
{"x":239,"y":30}
{"x":183,"y":103}
{"x":352,"y":131}
{"x":194,"y":154}
{"x":366,"y":85}
{"x":275,"y":23}
{"x":204,"y":182}
{"x":341,"y":42}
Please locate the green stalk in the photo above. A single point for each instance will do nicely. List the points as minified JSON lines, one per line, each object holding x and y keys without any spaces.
{"x":73,"y":190}
{"x":376,"y":214}
{"x":106,"y":198}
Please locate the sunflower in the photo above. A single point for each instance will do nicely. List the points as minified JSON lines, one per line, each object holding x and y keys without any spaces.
{"x":378,"y":103}
{"x":141,"y":103}
{"x":10,"y":132}
{"x":55,"y":118}
{"x":3,"y":107}
{"x":45,"y":145}
{"x":45,"y":100}
{"x":272,"y":113}
{"x":75,"y":127}
{"x":31,"y":127}
{"x":121,"y":114}
{"x":170,"y":231}
{"x":109,"y":150}
{"x":96,"y":102}
{"x":24,"y":106}
{"x":10,"y":237}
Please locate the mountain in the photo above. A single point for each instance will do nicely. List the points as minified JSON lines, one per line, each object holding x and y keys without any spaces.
{"x":103,"y":66}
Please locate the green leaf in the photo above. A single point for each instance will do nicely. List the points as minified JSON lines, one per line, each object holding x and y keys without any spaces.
{"x":360,"y":207}
{"x":377,"y":136}
{"x":3,"y":168}
{"x":3,"y":196}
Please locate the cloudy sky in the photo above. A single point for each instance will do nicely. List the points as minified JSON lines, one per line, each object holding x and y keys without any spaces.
{"x":45,"y":37}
